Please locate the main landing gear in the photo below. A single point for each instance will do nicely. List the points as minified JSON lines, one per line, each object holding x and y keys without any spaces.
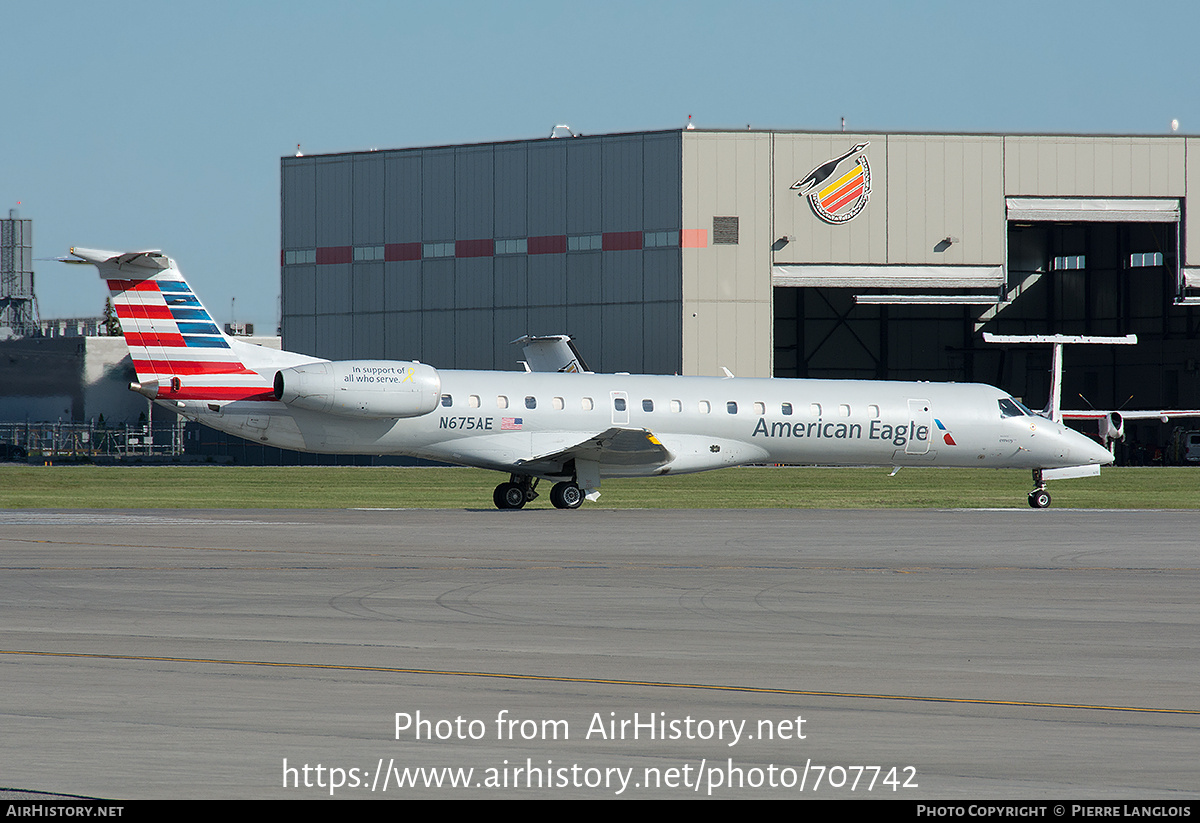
{"x":566,"y":495}
{"x":520,"y":489}
{"x":1039,"y":498}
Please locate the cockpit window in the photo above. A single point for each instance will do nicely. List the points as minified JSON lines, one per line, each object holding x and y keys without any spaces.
{"x":1011,"y":408}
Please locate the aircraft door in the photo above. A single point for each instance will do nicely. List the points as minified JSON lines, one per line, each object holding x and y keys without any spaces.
{"x":620,"y":408}
{"x":920,"y":417}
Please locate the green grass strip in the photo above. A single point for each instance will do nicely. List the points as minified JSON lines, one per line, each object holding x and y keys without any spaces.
{"x":239,"y":487}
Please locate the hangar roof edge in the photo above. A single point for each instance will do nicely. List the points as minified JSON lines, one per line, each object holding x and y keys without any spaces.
{"x":732,"y":131}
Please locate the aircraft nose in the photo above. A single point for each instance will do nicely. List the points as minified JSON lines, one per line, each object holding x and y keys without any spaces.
{"x":1087,"y":451}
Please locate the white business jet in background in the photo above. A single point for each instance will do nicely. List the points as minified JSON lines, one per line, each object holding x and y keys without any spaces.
{"x":556,"y":421}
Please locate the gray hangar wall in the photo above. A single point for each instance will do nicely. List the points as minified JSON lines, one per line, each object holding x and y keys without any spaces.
{"x":1013,"y":234}
{"x":447,"y":254}
{"x":689,"y":250}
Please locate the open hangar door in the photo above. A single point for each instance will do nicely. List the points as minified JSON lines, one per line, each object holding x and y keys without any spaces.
{"x":1100,"y":267}
{"x":1094,"y":267}
{"x":824,"y":332}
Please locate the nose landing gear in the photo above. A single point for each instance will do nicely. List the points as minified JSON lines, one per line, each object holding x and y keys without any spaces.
{"x":1039,"y":498}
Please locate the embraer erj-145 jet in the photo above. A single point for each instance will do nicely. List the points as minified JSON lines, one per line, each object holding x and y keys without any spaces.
{"x":558,"y":422}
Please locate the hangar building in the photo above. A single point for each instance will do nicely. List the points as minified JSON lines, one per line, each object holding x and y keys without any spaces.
{"x":793,"y":254}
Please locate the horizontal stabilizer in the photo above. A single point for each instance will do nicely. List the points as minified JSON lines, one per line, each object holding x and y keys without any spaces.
{"x":153,"y":260}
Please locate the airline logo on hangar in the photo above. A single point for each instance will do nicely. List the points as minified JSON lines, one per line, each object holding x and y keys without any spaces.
{"x":838,"y":189}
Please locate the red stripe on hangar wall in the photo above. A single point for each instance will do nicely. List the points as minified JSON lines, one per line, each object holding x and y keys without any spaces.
{"x":486,"y":247}
{"x":622,"y":240}
{"x":335,"y":254}
{"x":473,"y":248}
{"x":393,"y":252}
{"x":547,"y":244}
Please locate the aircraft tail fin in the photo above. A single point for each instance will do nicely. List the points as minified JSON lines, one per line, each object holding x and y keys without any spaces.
{"x":553,"y":353}
{"x":178,"y":350}
{"x":1053,"y":408}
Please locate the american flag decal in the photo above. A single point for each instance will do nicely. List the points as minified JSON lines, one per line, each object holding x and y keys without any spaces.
{"x":510,"y":424}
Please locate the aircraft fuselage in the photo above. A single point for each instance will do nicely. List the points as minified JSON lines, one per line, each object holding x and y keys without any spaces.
{"x":497,"y":420}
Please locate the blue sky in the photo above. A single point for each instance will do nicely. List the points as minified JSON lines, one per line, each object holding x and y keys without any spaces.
{"x":160,"y":125}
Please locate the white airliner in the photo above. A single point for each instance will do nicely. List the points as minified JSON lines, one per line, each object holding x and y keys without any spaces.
{"x":567,"y":426}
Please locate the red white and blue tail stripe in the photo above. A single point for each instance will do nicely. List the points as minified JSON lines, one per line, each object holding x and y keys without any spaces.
{"x":179,"y":352}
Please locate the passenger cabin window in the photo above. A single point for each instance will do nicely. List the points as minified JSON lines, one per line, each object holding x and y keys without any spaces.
{"x":587,"y":404}
{"x":557,"y":403}
{"x":760,"y":408}
{"x":873,"y":411}
{"x":786,"y":408}
{"x":676,"y":406}
{"x":619,"y":403}
{"x":731,"y":407}
{"x":531,"y":402}
{"x":447,"y":400}
{"x":704,"y":407}
{"x":647,"y":405}
{"x":501,"y":401}
{"x":473,"y":401}
{"x":844,"y":410}
{"x":815,"y":409}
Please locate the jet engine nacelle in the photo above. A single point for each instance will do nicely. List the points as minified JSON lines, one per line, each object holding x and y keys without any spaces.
{"x":1112,"y":427}
{"x":361,"y":388}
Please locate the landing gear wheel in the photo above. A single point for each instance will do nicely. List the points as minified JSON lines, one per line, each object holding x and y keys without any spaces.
{"x":1039,"y":498}
{"x":509,"y":496}
{"x":566,"y":495}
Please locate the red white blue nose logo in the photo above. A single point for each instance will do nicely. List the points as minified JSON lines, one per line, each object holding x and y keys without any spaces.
{"x":945,"y":433}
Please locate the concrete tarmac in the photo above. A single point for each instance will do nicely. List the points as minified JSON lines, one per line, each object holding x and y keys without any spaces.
{"x":955,"y":655}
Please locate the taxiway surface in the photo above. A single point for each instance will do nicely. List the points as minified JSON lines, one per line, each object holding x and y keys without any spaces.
{"x":966,"y":654}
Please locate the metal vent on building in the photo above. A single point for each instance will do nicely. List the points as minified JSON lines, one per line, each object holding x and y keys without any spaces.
{"x":725,"y":231}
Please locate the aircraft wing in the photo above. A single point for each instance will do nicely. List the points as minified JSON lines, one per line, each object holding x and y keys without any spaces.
{"x":615,"y":446}
{"x":1111,"y":424}
{"x":1142,"y":414}
{"x":548,"y":451}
